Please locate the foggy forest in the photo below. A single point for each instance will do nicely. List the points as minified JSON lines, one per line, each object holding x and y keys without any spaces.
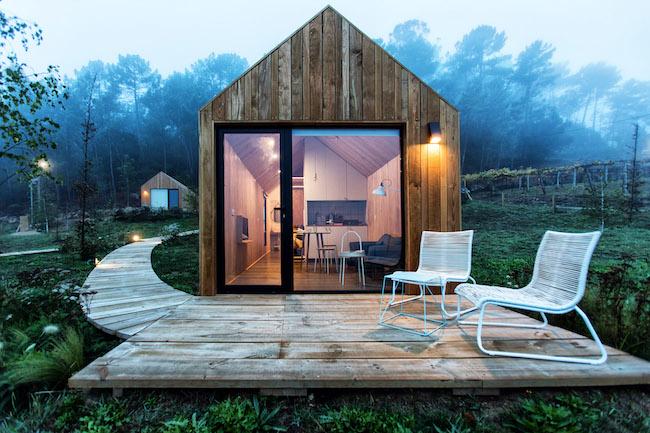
{"x":517,"y":111}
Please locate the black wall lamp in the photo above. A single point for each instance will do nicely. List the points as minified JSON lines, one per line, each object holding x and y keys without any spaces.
{"x":435,"y":134}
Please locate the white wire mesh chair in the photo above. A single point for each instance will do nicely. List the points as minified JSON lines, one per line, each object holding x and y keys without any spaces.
{"x":444,"y":257}
{"x":557,"y":286}
{"x":347,"y":253}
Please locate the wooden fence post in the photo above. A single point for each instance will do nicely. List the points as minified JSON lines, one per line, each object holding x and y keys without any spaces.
{"x":625,"y":190}
{"x":528,"y":182}
{"x":503,"y":198}
{"x":575,"y":176}
{"x":557,"y":179}
{"x":553,"y":202}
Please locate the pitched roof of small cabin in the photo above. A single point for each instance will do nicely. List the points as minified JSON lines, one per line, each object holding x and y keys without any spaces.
{"x":328,"y":19}
{"x":162,"y":174}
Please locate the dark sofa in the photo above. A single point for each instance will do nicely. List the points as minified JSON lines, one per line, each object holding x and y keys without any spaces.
{"x":384,"y":252}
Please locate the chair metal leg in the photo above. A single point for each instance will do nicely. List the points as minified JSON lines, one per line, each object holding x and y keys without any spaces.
{"x":383,"y":321}
{"x":601,"y":359}
{"x":474,"y":310}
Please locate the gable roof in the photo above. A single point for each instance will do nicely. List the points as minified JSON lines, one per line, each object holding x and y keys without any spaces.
{"x":162,"y":175}
{"x":327,"y":14}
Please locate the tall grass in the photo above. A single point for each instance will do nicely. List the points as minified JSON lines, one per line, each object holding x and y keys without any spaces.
{"x":53,"y":366}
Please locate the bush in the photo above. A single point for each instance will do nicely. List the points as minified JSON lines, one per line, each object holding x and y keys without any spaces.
{"x":170,"y":233}
{"x":618,"y":301}
{"x":349,"y":419}
{"x":145,"y":214}
{"x":53,"y":366}
{"x":565,"y":414}
{"x":93,"y":243}
{"x":106,"y":417}
{"x":241,"y":415}
{"x":181,"y":424}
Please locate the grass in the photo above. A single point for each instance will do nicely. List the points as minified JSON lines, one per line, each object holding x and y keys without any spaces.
{"x":44,"y":336}
{"x":23,"y":242}
{"x":36,"y":291}
{"x":414,"y":411}
{"x":177,"y":263}
{"x":617,"y":299}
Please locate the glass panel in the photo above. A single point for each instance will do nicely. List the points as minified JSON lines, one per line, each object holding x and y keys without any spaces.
{"x":251,"y":193}
{"x":173,"y":198}
{"x":159,"y":198}
{"x":345,"y":180}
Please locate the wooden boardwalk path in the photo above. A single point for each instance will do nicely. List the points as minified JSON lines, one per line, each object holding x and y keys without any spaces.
{"x":124,"y":293}
{"x":291,"y":343}
{"x":30,"y":252}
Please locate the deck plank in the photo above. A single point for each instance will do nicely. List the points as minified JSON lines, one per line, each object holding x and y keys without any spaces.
{"x":302,"y":341}
{"x":124,"y":294}
{"x":333,"y":341}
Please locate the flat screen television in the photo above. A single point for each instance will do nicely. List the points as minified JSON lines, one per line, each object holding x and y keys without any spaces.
{"x":242,"y":228}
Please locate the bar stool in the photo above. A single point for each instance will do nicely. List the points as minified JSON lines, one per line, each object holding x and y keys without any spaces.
{"x":326,"y":253}
{"x":349,"y":254}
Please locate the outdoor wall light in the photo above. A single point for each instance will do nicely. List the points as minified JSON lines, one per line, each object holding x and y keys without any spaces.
{"x":135,"y":237}
{"x":435,"y":134}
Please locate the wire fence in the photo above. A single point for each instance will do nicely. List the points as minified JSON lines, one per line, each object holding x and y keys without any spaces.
{"x":576,"y":186}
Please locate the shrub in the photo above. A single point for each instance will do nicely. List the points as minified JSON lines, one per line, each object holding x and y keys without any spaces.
{"x":144,"y":214}
{"x":349,"y":419}
{"x":70,"y":409}
{"x":40,"y":412}
{"x":53,"y":367}
{"x":170,"y":233}
{"x":93,"y":243}
{"x":565,"y":414}
{"x":106,"y":417}
{"x":241,"y":415}
{"x":181,"y":424}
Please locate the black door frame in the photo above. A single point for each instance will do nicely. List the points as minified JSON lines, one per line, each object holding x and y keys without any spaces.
{"x":285,"y":128}
{"x":286,"y":247}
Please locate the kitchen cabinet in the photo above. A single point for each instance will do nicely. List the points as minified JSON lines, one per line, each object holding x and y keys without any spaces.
{"x":356,"y":185}
{"x":330,"y":177}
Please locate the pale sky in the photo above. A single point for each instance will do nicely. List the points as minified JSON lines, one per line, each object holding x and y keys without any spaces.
{"x":173,"y":34}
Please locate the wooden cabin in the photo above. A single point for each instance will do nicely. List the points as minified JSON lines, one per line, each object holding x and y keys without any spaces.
{"x":164,"y":192}
{"x":326,"y":135}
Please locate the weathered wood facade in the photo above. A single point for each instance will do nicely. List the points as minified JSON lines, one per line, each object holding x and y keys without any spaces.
{"x":329,"y":72}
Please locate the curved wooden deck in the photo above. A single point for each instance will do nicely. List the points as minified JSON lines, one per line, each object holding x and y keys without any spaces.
{"x":291,"y":343}
{"x":124,"y":293}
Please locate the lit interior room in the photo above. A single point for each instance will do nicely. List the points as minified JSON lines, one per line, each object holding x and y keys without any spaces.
{"x":346,"y":208}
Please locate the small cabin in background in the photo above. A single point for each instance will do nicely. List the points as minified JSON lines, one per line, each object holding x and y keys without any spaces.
{"x":164,"y":192}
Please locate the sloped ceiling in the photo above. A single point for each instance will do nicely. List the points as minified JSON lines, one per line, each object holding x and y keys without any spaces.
{"x":260,"y":155}
{"x":364,"y":154}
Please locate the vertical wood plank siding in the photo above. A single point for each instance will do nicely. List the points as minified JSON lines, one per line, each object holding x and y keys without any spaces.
{"x":329,"y":71}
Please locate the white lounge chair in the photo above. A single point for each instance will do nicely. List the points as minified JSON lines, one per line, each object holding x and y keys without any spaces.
{"x":444,"y":257}
{"x":557,"y":285}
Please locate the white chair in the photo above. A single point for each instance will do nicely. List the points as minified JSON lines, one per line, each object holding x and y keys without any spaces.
{"x":557,"y":285}
{"x":346,"y":253}
{"x":444,"y":257}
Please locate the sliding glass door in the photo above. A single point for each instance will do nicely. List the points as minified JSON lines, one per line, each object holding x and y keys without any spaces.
{"x":296,"y":208}
{"x":253,"y":215}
